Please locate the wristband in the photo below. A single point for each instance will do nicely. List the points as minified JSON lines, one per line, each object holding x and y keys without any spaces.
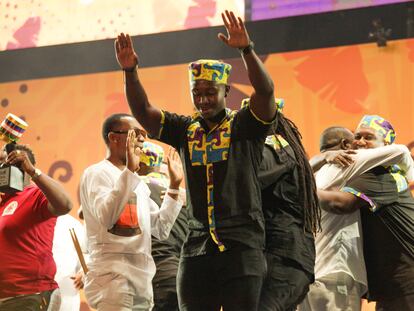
{"x":246,"y":50}
{"x":132,"y":69}
{"x":173,"y":191}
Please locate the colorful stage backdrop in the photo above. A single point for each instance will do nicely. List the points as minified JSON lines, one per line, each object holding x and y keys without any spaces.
{"x":324,"y":87}
{"x":37,"y":23}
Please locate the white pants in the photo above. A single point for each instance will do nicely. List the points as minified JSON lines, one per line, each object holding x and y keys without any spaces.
{"x":113,"y":292}
{"x":336,"y":292}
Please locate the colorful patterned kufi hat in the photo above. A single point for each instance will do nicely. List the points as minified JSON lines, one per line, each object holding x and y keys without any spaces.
{"x":12,"y":128}
{"x":379,"y":124}
{"x":152,"y":154}
{"x":280,"y":103}
{"x":210,"y":70}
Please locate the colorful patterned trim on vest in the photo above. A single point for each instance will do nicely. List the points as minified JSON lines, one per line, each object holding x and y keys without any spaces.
{"x":399,"y":177}
{"x":372,"y":206}
{"x":276,"y":141}
{"x":280,"y":103}
{"x":206,"y":148}
{"x":210,"y":208}
{"x":213,"y":146}
{"x":162,"y":121}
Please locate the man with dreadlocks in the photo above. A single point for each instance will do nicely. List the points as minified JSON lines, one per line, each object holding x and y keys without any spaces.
{"x":291,"y":211}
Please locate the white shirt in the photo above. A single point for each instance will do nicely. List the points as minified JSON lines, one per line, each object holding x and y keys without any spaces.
{"x":339,"y":245}
{"x":104,"y":192}
{"x":67,"y":262}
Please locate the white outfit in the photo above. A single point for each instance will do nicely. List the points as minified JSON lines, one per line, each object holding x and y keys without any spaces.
{"x":121,"y":268}
{"x":67,"y":262}
{"x":339,"y":249}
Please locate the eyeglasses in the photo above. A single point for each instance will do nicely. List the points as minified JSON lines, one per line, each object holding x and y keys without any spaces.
{"x":137,"y":132}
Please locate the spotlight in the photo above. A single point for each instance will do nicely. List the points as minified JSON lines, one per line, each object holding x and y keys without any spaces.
{"x":380,"y":34}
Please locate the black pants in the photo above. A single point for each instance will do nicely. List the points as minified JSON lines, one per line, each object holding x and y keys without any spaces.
{"x":35,"y":302}
{"x":232,"y":279}
{"x":405,"y":303}
{"x":165,"y":295}
{"x":285,"y":285}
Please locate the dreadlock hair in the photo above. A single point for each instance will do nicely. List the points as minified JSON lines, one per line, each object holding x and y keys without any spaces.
{"x":312,"y":212}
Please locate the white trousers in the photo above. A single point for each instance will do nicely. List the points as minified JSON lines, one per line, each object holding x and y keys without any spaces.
{"x":336,"y":292}
{"x":113,"y":292}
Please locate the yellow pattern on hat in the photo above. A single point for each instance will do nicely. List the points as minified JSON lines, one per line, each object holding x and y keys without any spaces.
{"x":210,"y":70}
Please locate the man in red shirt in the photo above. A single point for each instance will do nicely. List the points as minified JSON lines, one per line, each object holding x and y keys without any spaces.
{"x":27,"y":222}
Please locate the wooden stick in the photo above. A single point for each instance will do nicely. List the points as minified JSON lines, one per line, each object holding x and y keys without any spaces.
{"x":78,"y":250}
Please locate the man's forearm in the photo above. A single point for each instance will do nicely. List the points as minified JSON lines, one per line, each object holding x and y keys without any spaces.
{"x":147,"y":116}
{"x":337,"y":202}
{"x":262,"y":100}
{"x":135,"y":93}
{"x":316,"y":162}
{"x":258,"y":75}
{"x":59,"y":200}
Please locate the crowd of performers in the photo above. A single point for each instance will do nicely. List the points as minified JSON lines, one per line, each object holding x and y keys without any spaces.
{"x":261,"y":226}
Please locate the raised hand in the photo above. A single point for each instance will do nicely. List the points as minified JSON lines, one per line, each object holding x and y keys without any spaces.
{"x":237,"y":36}
{"x":133,"y":150}
{"x":175,"y":168}
{"x":125,"y":53}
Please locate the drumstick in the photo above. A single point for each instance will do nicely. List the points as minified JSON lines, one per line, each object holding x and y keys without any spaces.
{"x":78,"y":250}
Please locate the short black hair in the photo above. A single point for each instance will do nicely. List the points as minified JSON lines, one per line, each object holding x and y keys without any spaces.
{"x":110,"y":123}
{"x":332,"y":137}
{"x":28,"y":151}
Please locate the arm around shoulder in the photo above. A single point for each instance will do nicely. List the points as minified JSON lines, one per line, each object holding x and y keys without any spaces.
{"x":338,"y":202}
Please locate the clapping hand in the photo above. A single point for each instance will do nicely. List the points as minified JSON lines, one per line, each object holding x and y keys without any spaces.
{"x":133,"y":150}
{"x":175,"y":168}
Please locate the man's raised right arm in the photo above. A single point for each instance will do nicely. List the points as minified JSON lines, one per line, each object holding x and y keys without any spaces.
{"x":146,"y":114}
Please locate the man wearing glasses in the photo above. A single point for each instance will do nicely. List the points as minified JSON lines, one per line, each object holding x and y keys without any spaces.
{"x":120,"y":218}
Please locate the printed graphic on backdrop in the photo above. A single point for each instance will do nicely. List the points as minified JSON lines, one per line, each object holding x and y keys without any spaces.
{"x":35,"y":23}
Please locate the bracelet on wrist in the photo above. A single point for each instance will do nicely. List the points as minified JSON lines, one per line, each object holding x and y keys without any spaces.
{"x":173,"y":191}
{"x":36,"y":173}
{"x":246,"y":50}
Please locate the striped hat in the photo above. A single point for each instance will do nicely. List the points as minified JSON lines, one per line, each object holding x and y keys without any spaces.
{"x":12,"y":128}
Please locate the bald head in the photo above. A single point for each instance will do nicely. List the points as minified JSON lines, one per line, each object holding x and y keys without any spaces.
{"x":336,"y":137}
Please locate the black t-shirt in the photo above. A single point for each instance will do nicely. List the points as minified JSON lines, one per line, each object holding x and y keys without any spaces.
{"x":166,"y":253}
{"x":221,"y":167}
{"x":388,"y":233}
{"x":283,"y":211}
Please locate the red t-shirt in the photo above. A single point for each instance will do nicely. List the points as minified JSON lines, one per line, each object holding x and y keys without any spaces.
{"x":26,"y":239}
